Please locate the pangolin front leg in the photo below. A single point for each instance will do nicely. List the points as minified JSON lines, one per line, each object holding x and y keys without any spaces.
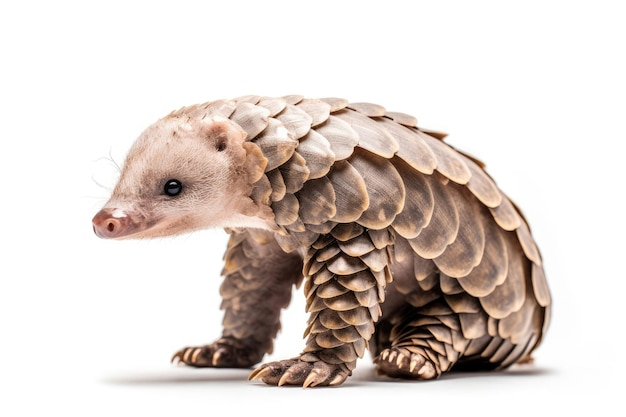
{"x":258,"y":280}
{"x":345,"y":285}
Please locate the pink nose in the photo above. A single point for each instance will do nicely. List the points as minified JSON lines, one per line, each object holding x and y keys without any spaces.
{"x":109,"y":226}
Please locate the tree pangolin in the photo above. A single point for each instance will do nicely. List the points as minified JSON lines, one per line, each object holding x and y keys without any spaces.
{"x":407,"y":247}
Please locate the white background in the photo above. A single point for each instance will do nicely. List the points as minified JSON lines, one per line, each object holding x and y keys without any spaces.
{"x":535,"y":89}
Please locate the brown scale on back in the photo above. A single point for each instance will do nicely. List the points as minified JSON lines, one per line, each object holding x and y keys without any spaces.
{"x":406,"y":246}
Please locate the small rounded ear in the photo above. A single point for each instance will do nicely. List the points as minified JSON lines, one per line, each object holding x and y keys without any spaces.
{"x":222,"y":134}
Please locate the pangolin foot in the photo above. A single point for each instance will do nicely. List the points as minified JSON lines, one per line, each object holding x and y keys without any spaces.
{"x":401,"y":363}
{"x":298,"y":372}
{"x":224,"y":353}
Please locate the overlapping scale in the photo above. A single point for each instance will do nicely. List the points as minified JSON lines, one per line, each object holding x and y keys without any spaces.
{"x":528,"y":244}
{"x":473,"y":325}
{"x":351,"y":194}
{"x":318,"y":110}
{"x":357,"y":246}
{"x":466,"y":252}
{"x":340,"y":135}
{"x":540,"y":286}
{"x":517,"y":325}
{"x":449,"y":163}
{"x":295,"y":173}
{"x":295,"y":120}
{"x":482,"y":186}
{"x":252,"y":99}
{"x":372,"y":136}
{"x":506,"y":216}
{"x":385,"y":189}
{"x":318,"y":154}
{"x":253,"y":119}
{"x":402,"y":118}
{"x":493,"y":268}
{"x":335,"y":103}
{"x":274,"y":105}
{"x":279,"y":189}
{"x":262,"y":191}
{"x":443,"y":226}
{"x":286,"y":210}
{"x":419,"y":203}
{"x":411,"y":147}
{"x":368,"y":109}
{"x":510,"y":295}
{"x":293,"y":98}
{"x":276,"y":144}
{"x":317,"y":201}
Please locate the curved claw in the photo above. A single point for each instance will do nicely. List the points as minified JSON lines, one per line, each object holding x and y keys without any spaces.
{"x":401,"y":363}
{"x":311,"y":380}
{"x":224,"y":353}
{"x":187,"y":356}
{"x":259,"y":373}
{"x":299,"y":372}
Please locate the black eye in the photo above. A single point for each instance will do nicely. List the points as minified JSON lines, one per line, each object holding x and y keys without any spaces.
{"x":173,"y":187}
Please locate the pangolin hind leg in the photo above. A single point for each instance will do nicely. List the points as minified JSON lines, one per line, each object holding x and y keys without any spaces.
{"x":418,"y":345}
{"x":258,"y":280}
{"x":346,"y":277}
{"x":417,"y":338}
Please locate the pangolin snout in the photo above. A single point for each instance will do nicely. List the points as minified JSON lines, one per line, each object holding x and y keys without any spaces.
{"x":112,"y":223}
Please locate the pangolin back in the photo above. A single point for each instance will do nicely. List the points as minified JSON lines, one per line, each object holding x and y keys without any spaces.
{"x":341,"y":169}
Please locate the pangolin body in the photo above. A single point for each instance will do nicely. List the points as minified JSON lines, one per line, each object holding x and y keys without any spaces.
{"x":407,"y":247}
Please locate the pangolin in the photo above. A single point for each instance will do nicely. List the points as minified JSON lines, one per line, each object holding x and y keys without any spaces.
{"x":406,"y":245}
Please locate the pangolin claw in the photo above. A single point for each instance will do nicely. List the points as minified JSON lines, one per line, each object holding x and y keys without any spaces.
{"x":302,"y":373}
{"x":259,"y":374}
{"x":310,"y":380}
{"x":216,"y":358}
{"x":177,"y":358}
{"x":189,"y":356}
{"x":401,"y":363}
{"x":224,"y":353}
